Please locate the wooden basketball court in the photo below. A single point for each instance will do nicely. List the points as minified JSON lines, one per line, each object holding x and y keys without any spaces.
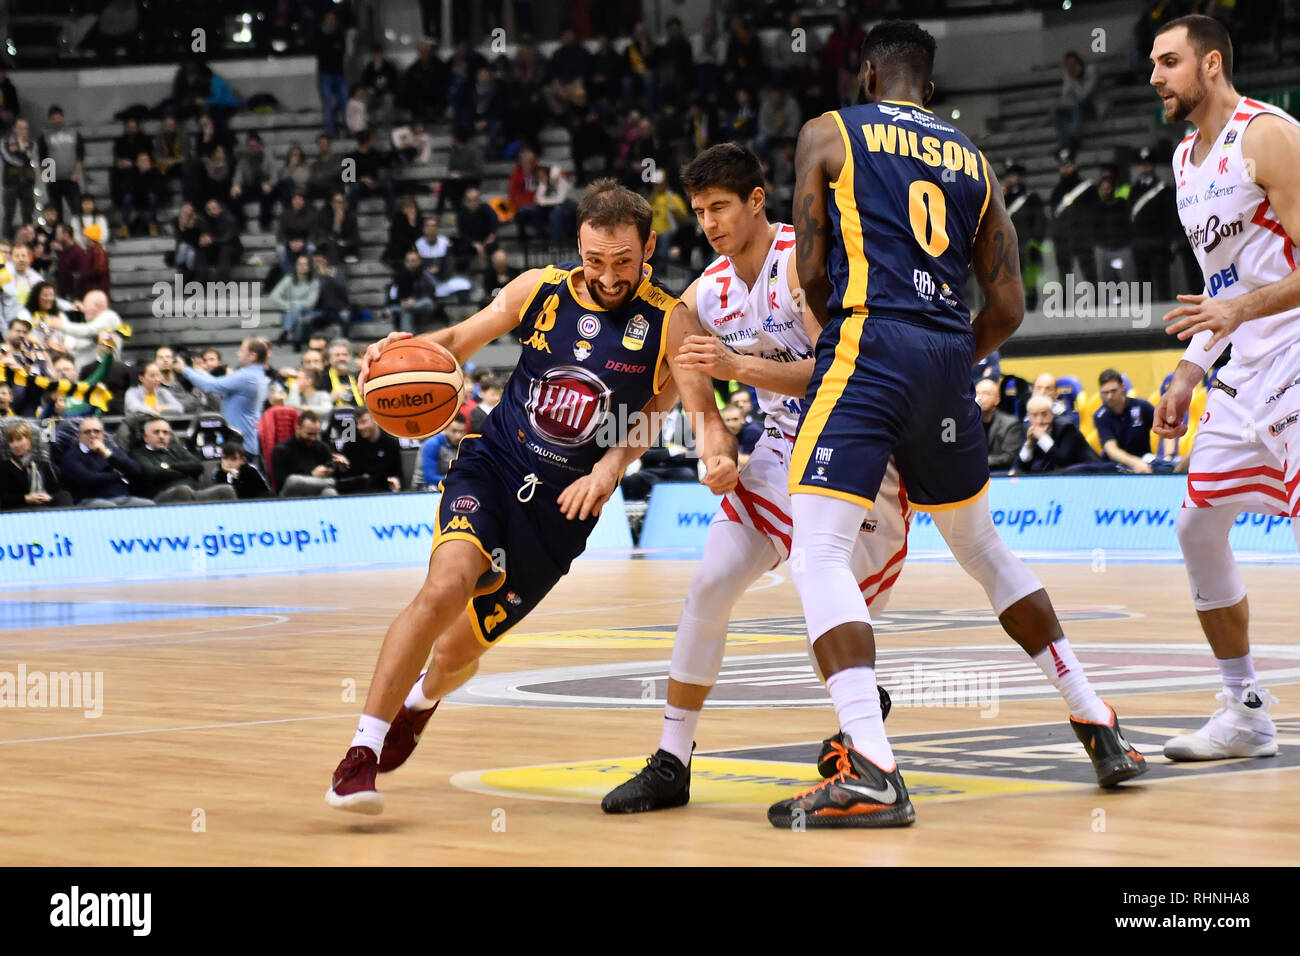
{"x":218,"y":734}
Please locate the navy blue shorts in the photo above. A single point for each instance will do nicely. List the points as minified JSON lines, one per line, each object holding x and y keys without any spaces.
{"x":530,"y":544}
{"x":882,"y":387}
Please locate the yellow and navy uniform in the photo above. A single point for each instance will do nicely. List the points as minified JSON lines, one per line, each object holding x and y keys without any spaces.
{"x":893,"y":365}
{"x":583,"y":374}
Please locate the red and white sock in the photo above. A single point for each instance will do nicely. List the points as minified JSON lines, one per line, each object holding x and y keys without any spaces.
{"x":1062,"y":668}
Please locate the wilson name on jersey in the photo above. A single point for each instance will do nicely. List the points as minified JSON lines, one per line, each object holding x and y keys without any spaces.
{"x":904,"y":211}
{"x":582,"y":376}
{"x":1237,"y":238}
{"x":763,"y":321}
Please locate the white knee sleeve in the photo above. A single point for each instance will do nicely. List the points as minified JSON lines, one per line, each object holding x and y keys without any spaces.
{"x":734,"y":556}
{"x":1211,"y":569}
{"x":825,"y":531}
{"x":982,"y":554}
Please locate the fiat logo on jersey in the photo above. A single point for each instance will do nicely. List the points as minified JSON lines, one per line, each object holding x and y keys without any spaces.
{"x":567,"y":404}
{"x":589,"y":326}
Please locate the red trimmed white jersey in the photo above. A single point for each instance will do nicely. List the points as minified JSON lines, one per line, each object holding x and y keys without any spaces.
{"x":763,"y":321}
{"x":1238,"y":241}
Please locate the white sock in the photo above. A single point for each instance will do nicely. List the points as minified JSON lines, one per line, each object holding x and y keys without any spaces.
{"x":857,"y":705}
{"x":371,"y":733}
{"x":1062,"y":668}
{"x":416,"y":700}
{"x":1236,"y":671}
{"x":678,"y":737}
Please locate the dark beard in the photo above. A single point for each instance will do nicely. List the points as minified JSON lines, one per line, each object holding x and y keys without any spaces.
{"x":608,"y":305}
{"x":1183,"y":107}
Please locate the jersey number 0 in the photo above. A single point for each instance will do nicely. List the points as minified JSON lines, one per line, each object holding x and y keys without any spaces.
{"x":928,"y":213}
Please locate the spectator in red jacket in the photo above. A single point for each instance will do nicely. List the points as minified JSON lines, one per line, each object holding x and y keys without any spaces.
{"x":74,"y":263}
{"x":523,"y":194}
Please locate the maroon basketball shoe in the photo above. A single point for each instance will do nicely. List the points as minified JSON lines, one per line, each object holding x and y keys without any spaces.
{"x":403,"y":734}
{"x":353,"y":788}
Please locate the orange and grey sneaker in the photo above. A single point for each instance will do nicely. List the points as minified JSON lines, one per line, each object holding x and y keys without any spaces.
{"x":828,"y":761}
{"x":860,"y":794}
{"x":353,"y":788}
{"x":1113,"y":757}
{"x":403,"y":734}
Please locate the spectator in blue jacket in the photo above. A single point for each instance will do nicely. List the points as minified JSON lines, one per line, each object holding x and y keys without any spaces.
{"x":243,"y":392}
{"x":96,"y":471}
{"x":437,"y":454}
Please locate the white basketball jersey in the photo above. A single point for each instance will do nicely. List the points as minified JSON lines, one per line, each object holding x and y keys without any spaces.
{"x":1238,"y":240}
{"x":763,"y":321}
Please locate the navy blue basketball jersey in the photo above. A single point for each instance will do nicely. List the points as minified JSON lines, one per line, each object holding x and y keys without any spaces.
{"x":583,"y":374}
{"x":904,"y":211}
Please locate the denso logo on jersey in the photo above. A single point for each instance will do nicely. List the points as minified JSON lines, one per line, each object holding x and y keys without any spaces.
{"x":1222,"y":279}
{"x":567,"y":404}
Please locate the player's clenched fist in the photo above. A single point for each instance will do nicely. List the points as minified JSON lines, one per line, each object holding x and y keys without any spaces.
{"x":1171,"y":410}
{"x":722,"y":474}
{"x":373,"y":351}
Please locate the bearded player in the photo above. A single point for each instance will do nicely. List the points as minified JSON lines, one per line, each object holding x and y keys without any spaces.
{"x":521,"y":499}
{"x":750,"y":303}
{"x":893,"y":207}
{"x":1239,"y":201}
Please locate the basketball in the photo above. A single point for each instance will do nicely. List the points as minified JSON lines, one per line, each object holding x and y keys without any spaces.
{"x":413,"y":388}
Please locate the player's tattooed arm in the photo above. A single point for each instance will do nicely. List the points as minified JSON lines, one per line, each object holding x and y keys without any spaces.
{"x":465,"y":338}
{"x":715,"y":445}
{"x":996,"y":261}
{"x":1270,"y":148}
{"x":811,"y":216}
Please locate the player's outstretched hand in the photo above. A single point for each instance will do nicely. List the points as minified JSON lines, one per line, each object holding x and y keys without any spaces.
{"x":587,"y":495}
{"x":1199,"y":313}
{"x":373,"y":351}
{"x":1171,"y":411}
{"x":722,"y":474}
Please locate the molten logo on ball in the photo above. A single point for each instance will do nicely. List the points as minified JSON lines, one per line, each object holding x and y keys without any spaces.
{"x":403,"y":401}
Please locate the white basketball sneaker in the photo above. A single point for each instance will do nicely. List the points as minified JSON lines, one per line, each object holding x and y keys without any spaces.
{"x":1236,"y":730}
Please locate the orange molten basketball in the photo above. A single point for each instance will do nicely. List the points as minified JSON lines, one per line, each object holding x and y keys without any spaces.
{"x":413,"y":388}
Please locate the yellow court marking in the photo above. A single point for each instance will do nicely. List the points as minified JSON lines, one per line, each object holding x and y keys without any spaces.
{"x":720,"y":781}
{"x":603,"y":639}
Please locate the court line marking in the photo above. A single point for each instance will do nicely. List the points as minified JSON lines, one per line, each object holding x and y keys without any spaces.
{"x":172,"y":730}
{"x":91,"y":643}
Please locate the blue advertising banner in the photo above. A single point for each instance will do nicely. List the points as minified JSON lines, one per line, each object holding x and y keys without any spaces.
{"x":68,"y":547}
{"x":1066,"y":513}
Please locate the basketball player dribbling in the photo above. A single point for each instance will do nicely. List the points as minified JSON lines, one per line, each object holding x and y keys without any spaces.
{"x":1239,"y":201}
{"x":519,"y":502}
{"x":749,"y":301}
{"x":892,"y":207}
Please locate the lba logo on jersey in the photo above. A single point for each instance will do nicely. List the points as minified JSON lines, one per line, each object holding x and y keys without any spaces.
{"x":567,"y":404}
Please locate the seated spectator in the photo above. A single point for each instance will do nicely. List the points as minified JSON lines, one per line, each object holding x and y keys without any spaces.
{"x":243,"y":391}
{"x":171,"y":150}
{"x":7,"y":401}
{"x":142,"y":187}
{"x":557,"y":208}
{"x":305,"y":394}
{"x":670,"y":219}
{"x":524,"y":180}
{"x":742,"y":121}
{"x":219,"y":245}
{"x":465,"y":165}
{"x":490,"y":389}
{"x":989,"y":367}
{"x":403,"y":230}
{"x":294,"y":233}
{"x":72,"y":395}
{"x":294,"y":176}
{"x":75,"y":267}
{"x":356,"y":113}
{"x":1051,"y":443}
{"x":433,"y":250}
{"x":437,"y":454}
{"x":411,"y":144}
{"x":304,"y":466}
{"x":589,"y":137}
{"x":1003,"y":434}
{"x":332,"y":303}
{"x":324,"y":177}
{"x":374,"y":458}
{"x":1078,"y":92}
{"x":413,"y":295}
{"x":91,"y":223}
{"x":371,"y":168}
{"x":26,"y":481}
{"x":169,"y":472}
{"x":213,"y":177}
{"x":1124,"y":424}
{"x":779,"y":120}
{"x":747,"y":434}
{"x":21,"y":352}
{"x":476,"y":229}
{"x":744,"y":399}
{"x":95,"y":471}
{"x":151,"y":396}
{"x":295,"y":295}
{"x":252,"y":182}
{"x":187,"y":230}
{"x":381,"y":80}
{"x":342,"y":383}
{"x":235,"y":472}
{"x":336,"y":230}
{"x":22,"y":277}
{"x":1045,"y":385}
{"x":497,"y":275}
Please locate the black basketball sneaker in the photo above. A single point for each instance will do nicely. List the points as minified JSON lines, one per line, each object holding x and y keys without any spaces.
{"x":859,"y":795}
{"x":1113,"y":757}
{"x":827,"y":760}
{"x":663,"y":782}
